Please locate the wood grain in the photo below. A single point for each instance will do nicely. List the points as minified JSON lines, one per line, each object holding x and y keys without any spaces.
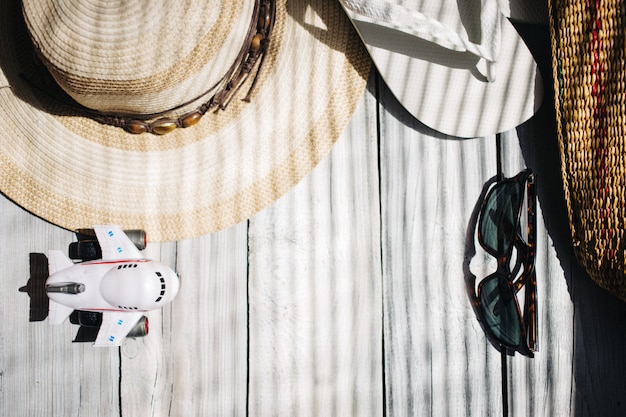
{"x":314,"y":288}
{"x":437,"y":359}
{"x":194,"y":362}
{"x":347,"y":297}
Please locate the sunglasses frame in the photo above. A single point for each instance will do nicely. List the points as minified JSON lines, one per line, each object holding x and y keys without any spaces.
{"x":525,"y":257}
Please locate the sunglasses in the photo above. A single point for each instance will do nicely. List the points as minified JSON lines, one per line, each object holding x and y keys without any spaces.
{"x":507,"y":231}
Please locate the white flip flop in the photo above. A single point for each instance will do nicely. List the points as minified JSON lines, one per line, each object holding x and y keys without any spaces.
{"x":459,"y":67}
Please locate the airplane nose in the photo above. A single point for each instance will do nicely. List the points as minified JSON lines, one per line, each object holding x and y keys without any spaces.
{"x":173,"y":283}
{"x":70,"y":288}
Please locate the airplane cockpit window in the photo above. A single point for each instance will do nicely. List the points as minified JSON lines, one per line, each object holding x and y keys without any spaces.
{"x":162,"y":287}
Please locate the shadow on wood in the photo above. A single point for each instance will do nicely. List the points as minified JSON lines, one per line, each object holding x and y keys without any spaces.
{"x":599,"y":330}
{"x":470,"y":252}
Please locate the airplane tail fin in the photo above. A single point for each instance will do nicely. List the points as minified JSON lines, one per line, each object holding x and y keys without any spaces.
{"x":57,"y":261}
{"x":35,"y":287}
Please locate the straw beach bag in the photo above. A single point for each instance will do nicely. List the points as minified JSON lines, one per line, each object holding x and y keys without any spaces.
{"x":589,"y":53}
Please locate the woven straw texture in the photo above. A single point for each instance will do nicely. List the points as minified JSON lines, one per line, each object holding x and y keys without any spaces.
{"x":589,"y":64}
{"x":108,"y":59}
{"x":76,"y":172}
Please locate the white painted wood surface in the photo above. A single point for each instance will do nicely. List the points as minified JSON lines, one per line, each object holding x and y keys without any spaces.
{"x":315,"y":288}
{"x":344,"y":298}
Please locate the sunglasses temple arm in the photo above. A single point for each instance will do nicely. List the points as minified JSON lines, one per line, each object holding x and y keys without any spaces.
{"x":530,"y":311}
{"x":531,"y":294}
{"x":528,"y":250}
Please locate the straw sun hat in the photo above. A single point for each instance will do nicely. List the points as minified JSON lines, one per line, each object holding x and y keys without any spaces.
{"x":78,"y":76}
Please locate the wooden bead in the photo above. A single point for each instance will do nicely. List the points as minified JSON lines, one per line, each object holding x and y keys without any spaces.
{"x":191,"y":119}
{"x":136,"y":127}
{"x":255,"y":45}
{"x":264,"y":19}
{"x":164,"y":127}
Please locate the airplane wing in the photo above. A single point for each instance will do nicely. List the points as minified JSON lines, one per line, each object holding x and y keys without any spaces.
{"x":57,"y":313}
{"x":57,"y":261}
{"x":115,"y":326}
{"x":115,"y":244}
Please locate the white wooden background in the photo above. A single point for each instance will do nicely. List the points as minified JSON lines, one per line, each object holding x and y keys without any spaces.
{"x":344,"y":298}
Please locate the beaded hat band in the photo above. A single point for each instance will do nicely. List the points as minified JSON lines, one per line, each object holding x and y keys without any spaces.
{"x":250,"y":57}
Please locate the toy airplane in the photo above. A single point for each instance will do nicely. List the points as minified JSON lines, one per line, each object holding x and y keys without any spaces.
{"x":121,"y":285}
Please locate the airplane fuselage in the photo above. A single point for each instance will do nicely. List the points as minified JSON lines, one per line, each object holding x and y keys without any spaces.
{"x":116,"y":285}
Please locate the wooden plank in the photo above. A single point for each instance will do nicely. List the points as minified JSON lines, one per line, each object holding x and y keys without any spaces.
{"x":146,"y":365}
{"x":41,"y":372}
{"x":314,"y":288}
{"x":543,"y":386}
{"x":194,"y":362}
{"x":433,"y":344}
{"x":437,"y":359}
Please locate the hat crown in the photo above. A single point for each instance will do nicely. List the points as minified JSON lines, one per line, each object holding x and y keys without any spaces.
{"x":137,"y":56}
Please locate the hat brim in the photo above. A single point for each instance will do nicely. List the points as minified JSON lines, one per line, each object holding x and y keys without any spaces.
{"x":443,"y":89}
{"x":76,"y":172}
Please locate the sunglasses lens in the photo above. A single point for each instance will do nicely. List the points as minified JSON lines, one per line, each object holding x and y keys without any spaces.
{"x":500,"y":311}
{"x":499,"y":218}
